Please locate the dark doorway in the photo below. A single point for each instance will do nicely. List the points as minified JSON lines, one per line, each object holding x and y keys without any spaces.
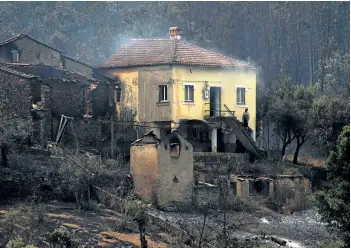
{"x":215,"y":101}
{"x":220,"y":141}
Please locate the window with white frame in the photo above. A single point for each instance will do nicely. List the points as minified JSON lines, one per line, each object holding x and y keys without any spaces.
{"x":240,"y":95}
{"x":162,"y":93}
{"x":189,"y":93}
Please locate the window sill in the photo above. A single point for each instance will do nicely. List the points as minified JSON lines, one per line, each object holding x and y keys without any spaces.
{"x":188,"y":102}
{"x":240,"y":105}
{"x":162,"y":103}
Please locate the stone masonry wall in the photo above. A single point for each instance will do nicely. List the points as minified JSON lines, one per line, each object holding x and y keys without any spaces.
{"x":31,"y":52}
{"x":15,"y":97}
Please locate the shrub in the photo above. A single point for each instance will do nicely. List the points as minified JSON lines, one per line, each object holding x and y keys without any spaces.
{"x":17,"y":243}
{"x":333,"y":244}
{"x":288,"y":198}
{"x":61,"y":237}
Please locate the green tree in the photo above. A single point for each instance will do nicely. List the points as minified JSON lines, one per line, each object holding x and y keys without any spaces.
{"x":302,"y":124}
{"x":334,"y":203}
{"x":329,"y":115}
{"x":281,"y":110}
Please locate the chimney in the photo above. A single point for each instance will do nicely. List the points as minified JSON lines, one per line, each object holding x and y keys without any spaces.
{"x":174,"y":33}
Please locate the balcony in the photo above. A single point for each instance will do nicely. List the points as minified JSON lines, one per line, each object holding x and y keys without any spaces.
{"x":215,"y":110}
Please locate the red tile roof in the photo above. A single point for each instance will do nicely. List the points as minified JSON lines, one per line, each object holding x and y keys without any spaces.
{"x":146,"y":52}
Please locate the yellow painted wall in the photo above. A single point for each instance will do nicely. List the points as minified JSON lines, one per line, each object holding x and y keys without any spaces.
{"x":129,"y":97}
{"x":226,"y":78}
{"x":144,"y":169}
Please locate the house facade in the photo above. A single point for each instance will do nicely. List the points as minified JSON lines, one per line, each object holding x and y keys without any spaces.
{"x":49,"y":85}
{"x":176,"y":85}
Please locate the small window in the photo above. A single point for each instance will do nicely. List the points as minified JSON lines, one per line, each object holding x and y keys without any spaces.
{"x":189,"y":93}
{"x":240,"y":96}
{"x":15,"y":56}
{"x":162,"y":93}
{"x":117,"y":94}
{"x":175,"y":150}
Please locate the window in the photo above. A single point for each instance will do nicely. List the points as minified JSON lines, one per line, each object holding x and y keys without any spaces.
{"x":162,"y":93}
{"x":117,"y":94}
{"x":240,"y":95}
{"x":189,"y":93}
{"x":15,"y":56}
{"x":175,"y":150}
{"x":175,"y":147}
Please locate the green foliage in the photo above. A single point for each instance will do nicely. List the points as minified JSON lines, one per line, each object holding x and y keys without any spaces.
{"x":18,"y":243}
{"x":289,"y":109}
{"x":61,"y":237}
{"x":334,"y":203}
{"x":334,"y":244}
{"x":277,"y":34}
{"x":329,"y":115}
{"x":136,"y":210}
{"x":334,"y":75}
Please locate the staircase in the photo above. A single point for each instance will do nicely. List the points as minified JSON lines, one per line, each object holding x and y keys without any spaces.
{"x":242,"y":135}
{"x":232,"y":122}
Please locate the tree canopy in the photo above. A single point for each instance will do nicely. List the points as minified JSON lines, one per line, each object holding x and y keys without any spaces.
{"x":297,"y":36}
{"x":334,"y":204}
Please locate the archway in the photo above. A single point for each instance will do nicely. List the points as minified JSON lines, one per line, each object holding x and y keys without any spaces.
{"x":198,"y":133}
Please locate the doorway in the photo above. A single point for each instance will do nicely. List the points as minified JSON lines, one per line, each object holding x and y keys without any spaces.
{"x":215,"y":101}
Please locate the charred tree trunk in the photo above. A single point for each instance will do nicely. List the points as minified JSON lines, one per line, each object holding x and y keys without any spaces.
{"x":287,"y":139}
{"x":142,"y":231}
{"x":4,"y":161}
{"x":300,"y":140}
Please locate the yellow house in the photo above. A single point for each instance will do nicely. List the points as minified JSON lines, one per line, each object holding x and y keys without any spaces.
{"x":172,"y":84}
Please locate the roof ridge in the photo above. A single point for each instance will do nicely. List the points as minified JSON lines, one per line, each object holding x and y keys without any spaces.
{"x":13,"y":38}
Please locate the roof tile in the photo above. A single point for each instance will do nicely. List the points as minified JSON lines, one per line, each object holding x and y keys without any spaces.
{"x":145,"y":52}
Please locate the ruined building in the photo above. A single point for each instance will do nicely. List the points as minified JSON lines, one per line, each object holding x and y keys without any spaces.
{"x":163,"y":169}
{"x":39,"y":83}
{"x":176,"y":85}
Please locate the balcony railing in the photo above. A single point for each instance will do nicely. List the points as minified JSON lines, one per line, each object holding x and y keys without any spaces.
{"x":215,"y":110}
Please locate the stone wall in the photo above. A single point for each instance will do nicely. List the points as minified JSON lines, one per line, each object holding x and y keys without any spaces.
{"x":15,"y":96}
{"x":212,"y":165}
{"x":73,"y":65}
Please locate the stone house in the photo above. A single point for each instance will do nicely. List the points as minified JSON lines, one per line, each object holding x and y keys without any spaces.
{"x":54,"y":85}
{"x":163,"y":169}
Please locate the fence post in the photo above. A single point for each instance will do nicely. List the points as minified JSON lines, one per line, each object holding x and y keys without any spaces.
{"x":112,"y":139}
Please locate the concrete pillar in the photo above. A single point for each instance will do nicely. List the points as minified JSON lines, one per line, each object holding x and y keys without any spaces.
{"x":214,"y":140}
{"x":238,"y":188}
{"x":271,"y":188}
{"x":245,"y":189}
{"x":253,"y":135}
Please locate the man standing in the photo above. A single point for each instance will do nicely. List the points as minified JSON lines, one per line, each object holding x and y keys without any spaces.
{"x":246,"y":118}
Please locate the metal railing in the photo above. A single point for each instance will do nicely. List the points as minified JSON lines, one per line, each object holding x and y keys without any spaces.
{"x":215,"y":110}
